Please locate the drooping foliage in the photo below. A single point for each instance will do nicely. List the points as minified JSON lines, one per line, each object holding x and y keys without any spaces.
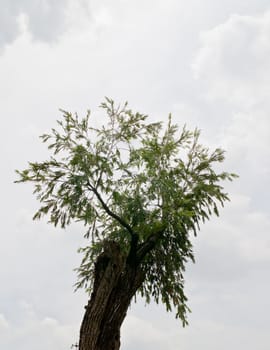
{"x":146,"y":186}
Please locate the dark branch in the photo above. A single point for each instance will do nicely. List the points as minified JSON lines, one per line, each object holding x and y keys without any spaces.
{"x":110,"y":213}
{"x":149,"y":244}
{"x":132,"y":256}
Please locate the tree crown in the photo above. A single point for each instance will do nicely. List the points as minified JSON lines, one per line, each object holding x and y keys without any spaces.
{"x":142,"y":185}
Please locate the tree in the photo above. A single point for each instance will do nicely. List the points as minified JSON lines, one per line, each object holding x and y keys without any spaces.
{"x":141,"y":190}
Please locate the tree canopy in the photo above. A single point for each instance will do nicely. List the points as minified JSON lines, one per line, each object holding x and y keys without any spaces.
{"x":146,"y":186}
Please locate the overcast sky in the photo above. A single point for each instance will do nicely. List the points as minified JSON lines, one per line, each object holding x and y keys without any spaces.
{"x":208,"y":63}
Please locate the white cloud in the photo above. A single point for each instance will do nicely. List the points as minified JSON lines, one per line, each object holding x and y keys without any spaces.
{"x":233,"y":60}
{"x":4,"y":325}
{"x":233,"y":69}
{"x":241,"y":234}
{"x":247,"y":140}
{"x":148,"y":333}
{"x":36,"y":333}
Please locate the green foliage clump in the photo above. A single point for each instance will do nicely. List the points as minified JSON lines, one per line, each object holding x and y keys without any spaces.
{"x":145,"y":186}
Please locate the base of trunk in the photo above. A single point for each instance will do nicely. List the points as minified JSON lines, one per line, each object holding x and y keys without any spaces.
{"x":115,"y":284}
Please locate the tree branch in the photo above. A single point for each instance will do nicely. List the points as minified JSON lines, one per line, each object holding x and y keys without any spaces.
{"x":110,"y":213}
{"x":149,"y":244}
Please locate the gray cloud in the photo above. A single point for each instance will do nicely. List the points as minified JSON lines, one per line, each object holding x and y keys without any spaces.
{"x":8,"y":23}
{"x":46,"y":20}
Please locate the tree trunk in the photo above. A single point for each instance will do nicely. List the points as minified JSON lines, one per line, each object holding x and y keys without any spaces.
{"x":116,"y":282}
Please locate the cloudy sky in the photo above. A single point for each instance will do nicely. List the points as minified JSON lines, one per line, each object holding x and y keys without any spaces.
{"x":208,"y":63}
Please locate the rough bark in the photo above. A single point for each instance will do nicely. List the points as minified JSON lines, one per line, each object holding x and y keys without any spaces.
{"x":116,"y":281}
